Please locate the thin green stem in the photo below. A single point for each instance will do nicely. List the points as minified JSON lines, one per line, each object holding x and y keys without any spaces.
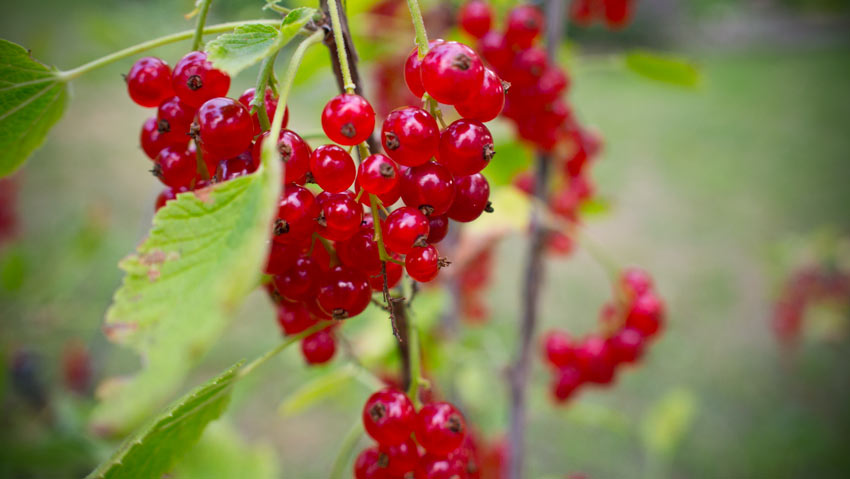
{"x":258,"y":104}
{"x":376,"y":220}
{"x":283,"y":345}
{"x":419,"y":26}
{"x":199,"y":26}
{"x":68,"y":75}
{"x":341,"y":51}
{"x":415,"y":363}
{"x":338,"y":469}
{"x":277,"y":8}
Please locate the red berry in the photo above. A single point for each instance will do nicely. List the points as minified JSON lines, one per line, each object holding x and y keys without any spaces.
{"x":299,"y":282}
{"x":366,"y":466}
{"x":429,"y":187}
{"x":412,"y":68}
{"x":635,"y":282}
{"x":551,"y":84}
{"x":270,"y":103}
{"x":567,"y":380}
{"x":195,"y":80}
{"x":439,"y":467}
{"x":451,"y":72}
{"x":149,"y":81}
{"x":387,"y":199}
{"x":360,"y":252}
{"x":440,"y":428}
{"x":343,"y":292}
{"x":627,"y":345}
{"x":399,"y":458}
{"x":294,"y":152}
{"x":378,"y":174}
{"x":466,"y":147}
{"x":423,"y":264}
{"x":559,"y":244}
{"x":296,"y":215}
{"x":487,"y":103}
{"x":646,"y":314}
{"x":281,"y":257}
{"x":582,"y":11}
{"x":174,"y":119}
{"x":476,"y":18}
{"x":593,"y":358}
{"x":524,"y":25}
{"x":495,"y":49}
{"x":225,"y":126}
{"x":293,"y":318}
{"x":153,"y":141}
{"x":233,"y":168}
{"x":558,"y":348}
{"x":617,"y":13}
{"x":348,"y":119}
{"x":473,"y":193}
{"x":405,"y":228}
{"x":394,"y":270}
{"x":410,"y":136}
{"x":528,"y":67}
{"x":438,"y":228}
{"x":164,"y":197}
{"x":389,"y":417}
{"x":339,"y":216}
{"x":175,"y":167}
{"x":319,"y":347}
{"x":332,"y":168}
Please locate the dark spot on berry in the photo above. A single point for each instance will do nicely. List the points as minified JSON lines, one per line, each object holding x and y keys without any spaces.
{"x":386,"y":170}
{"x":421,"y":241}
{"x":194,"y":82}
{"x":285,"y":152}
{"x":339,"y":314}
{"x":391,"y":140}
{"x":426,"y":209}
{"x":462,"y":62}
{"x":488,"y":152}
{"x":454,"y":424}
{"x":348,"y":130}
{"x":156,"y":170}
{"x":162,"y":126}
{"x":377,"y":412}
{"x":383,"y":460}
{"x":281,"y":227}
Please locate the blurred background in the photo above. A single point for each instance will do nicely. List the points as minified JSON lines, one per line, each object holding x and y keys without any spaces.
{"x":734,"y":195}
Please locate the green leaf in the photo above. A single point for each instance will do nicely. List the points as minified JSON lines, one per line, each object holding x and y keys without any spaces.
{"x":321,"y":387}
{"x":511,"y":158}
{"x":153,"y":451}
{"x":594,"y":206}
{"x":667,"y":421}
{"x":222,"y":453}
{"x":248,"y":44}
{"x":32,"y":99}
{"x":204,"y":255}
{"x":663,"y":68}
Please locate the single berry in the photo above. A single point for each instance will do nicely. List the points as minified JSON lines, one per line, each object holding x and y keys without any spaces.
{"x":429,"y":187}
{"x":399,"y":458}
{"x":412,"y":66}
{"x":293,"y":318}
{"x":319,"y":347}
{"x":195,"y":80}
{"x":582,"y":12}
{"x":646,"y":314}
{"x":594,"y":359}
{"x":299,"y":282}
{"x":149,"y":81}
{"x":343,"y":292}
{"x":410,"y":136}
{"x":476,"y":17}
{"x":466,"y":147}
{"x":225,"y":126}
{"x":496,"y":51}
{"x":378,"y":174}
{"x":423,"y":264}
{"x":451,"y":72}
{"x":487,"y":103}
{"x":153,"y":141}
{"x":174,"y":119}
{"x":281,"y":257}
{"x":360,"y":252}
{"x":339,"y":216}
{"x":558,"y":348}
{"x":472,"y":198}
{"x":296,"y":215}
{"x":366,"y":465}
{"x":233,"y":167}
{"x":627,"y":345}
{"x":635,"y":282}
{"x":348,"y":119}
{"x":440,"y":467}
{"x":332,"y":167}
{"x":270,"y":103}
{"x":387,"y":199}
{"x":617,"y":13}
{"x":404,"y":229}
{"x":294,"y":152}
{"x":164,"y":197}
{"x":524,"y":24}
{"x":566,"y":382}
{"x":175,"y":167}
{"x":528,"y":67}
{"x":389,"y":417}
{"x":438,"y":228}
{"x":440,"y":428}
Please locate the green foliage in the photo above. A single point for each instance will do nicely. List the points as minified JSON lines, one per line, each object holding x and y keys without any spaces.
{"x":222,"y":454}
{"x":667,"y":422}
{"x":511,"y":158}
{"x":32,"y":99}
{"x":664,"y":68}
{"x":248,"y":44}
{"x":153,"y":451}
{"x":324,"y":386}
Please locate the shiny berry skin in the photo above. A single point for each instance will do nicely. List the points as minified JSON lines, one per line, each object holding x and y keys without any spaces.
{"x":332,"y":168}
{"x":301,"y":280}
{"x":294,"y":152}
{"x":378,"y":174}
{"x":594,"y":359}
{"x":399,"y":458}
{"x":293,"y":318}
{"x":429,"y":187}
{"x":410,"y":136}
{"x":233,"y":168}
{"x":558,"y":348}
{"x":487,"y":103}
{"x":524,"y":24}
{"x":440,"y":428}
{"x":476,"y":17}
{"x":389,"y":417}
{"x":451,"y":72}
{"x":174,"y":118}
{"x":149,"y":81}
{"x":404,"y":229}
{"x":348,"y":119}
{"x":496,"y":51}
{"x":387,"y":199}
{"x":281,"y":257}
{"x":394,"y":270}
{"x":617,"y":13}
{"x":319,"y":347}
{"x":627,"y":345}
{"x":646,"y":314}
{"x":195,"y":80}
{"x":439,"y":467}
{"x":360,"y":252}
{"x":153,"y":141}
{"x":164,"y":197}
{"x":343,"y":292}
{"x":472,"y":198}
{"x":366,"y":465}
{"x":270,"y":103}
{"x":635,"y":282}
{"x":423,"y":264}
{"x":466,"y":147}
{"x":296,"y":215}
{"x":339,"y":216}
{"x":438,"y":228}
{"x":412,"y":65}
{"x":175,"y":167}
{"x":528,"y":67}
{"x":225,"y":126}
{"x":566,"y":382}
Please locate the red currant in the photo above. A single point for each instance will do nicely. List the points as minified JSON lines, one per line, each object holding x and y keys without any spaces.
{"x":225,"y":126}
{"x":439,"y":467}
{"x":495,"y":49}
{"x":476,"y":18}
{"x":174,"y":119}
{"x":348,"y":119}
{"x":319,"y":347}
{"x":635,"y":282}
{"x":332,"y":168}
{"x":438,"y":228}
{"x":410,"y":136}
{"x":164,"y":197}
{"x":400,"y":458}
{"x":294,"y":152}
{"x":558,"y":348}
{"x":339,"y":216}
{"x":528,"y":67}
{"x":387,"y":199}
{"x":487,"y":103}
{"x":366,"y":466}
{"x":412,"y":68}
{"x":360,"y":252}
{"x":153,"y":141}
{"x":149,"y":81}
{"x":617,"y":13}
{"x":451,"y":72}
{"x":423,"y":264}
{"x":466,"y":147}
{"x":394,"y":270}
{"x":281,"y":257}
{"x":405,"y":228}
{"x":593,"y":358}
{"x":175,"y":167}
{"x":429,"y":187}
{"x":389,"y":417}
{"x":524,"y":25}
{"x":270,"y":103}
{"x":293,"y":318}
{"x":234,"y":167}
{"x":301,"y":280}
{"x":567,"y":380}
{"x":646,"y":314}
{"x":344,"y":292}
{"x":378,"y":174}
{"x":440,"y":428}
{"x":473,"y":193}
{"x":627,"y":345}
{"x":296,"y":215}
{"x":195,"y":80}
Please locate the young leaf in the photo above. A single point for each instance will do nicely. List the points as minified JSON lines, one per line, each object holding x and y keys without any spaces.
{"x":204,"y":254}
{"x":32,"y":99}
{"x":222,"y":453}
{"x":248,"y":44}
{"x":153,"y":451}
{"x":663,"y":68}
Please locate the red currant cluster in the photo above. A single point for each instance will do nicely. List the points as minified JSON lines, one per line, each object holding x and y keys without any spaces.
{"x":616,"y":14}
{"x":441,"y":449}
{"x":806,"y":286}
{"x":628,"y":323}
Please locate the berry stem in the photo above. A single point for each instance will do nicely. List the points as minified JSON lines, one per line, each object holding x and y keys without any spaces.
{"x":199,"y":162}
{"x":199,"y":26}
{"x":263,"y":80}
{"x":418,"y":26}
{"x":346,"y":449}
{"x":339,"y":41}
{"x":290,"y":340}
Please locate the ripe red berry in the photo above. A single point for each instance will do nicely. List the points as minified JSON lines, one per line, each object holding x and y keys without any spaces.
{"x":439,"y":467}
{"x":582,"y":11}
{"x":225,"y":126}
{"x":472,"y":199}
{"x":524,"y":25}
{"x":360,"y":252}
{"x":438,"y":228}
{"x":476,"y":17}
{"x":635,"y":282}
{"x":366,"y":466}
{"x":296,"y":215}
{"x":195,"y":80}
{"x":495,"y":49}
{"x":149,"y":81}
{"x":281,"y":257}
{"x":487,"y":103}
{"x":153,"y":141}
{"x":528,"y":67}
{"x":423,"y":264}
{"x":646,"y":314}
{"x":617,"y":13}
{"x":344,"y":292}
{"x":410,"y":136}
{"x":332,"y":168}
{"x":429,"y":187}
{"x":339,"y":216}
{"x":293,"y":318}
{"x":174,"y":119}
{"x":319,"y":347}
{"x":466,"y":147}
{"x":301,"y":280}
{"x":558,"y":348}
{"x":412,"y":68}
{"x":451,"y":72}
{"x":294,"y":152}
{"x":175,"y":167}
{"x":378,"y":174}
{"x":399,"y":458}
{"x":593,"y":358}
{"x":405,"y":228}
{"x":627,"y":345}
{"x":440,"y":428}
{"x":233,"y":168}
{"x":164,"y":197}
{"x":270,"y":103}
{"x":348,"y":119}
{"x":394,"y":270}
{"x":566,"y":382}
{"x":389,"y":417}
